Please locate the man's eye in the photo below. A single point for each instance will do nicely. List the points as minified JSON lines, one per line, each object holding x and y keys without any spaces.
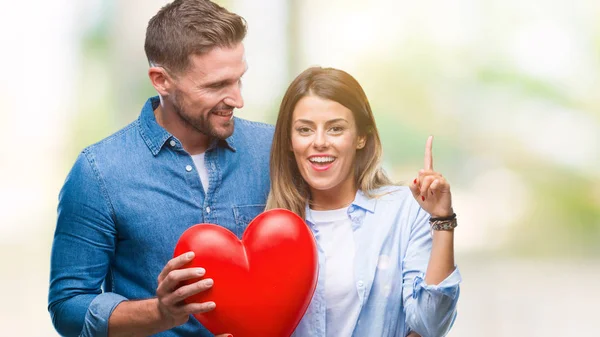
{"x":218,"y":85}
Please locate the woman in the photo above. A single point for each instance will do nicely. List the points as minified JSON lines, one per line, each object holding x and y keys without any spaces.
{"x":386,"y":255}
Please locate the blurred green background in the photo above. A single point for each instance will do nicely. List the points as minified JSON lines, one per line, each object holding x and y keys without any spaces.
{"x":510,"y":89}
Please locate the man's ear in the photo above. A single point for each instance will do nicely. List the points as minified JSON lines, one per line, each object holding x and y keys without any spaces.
{"x":161,"y":80}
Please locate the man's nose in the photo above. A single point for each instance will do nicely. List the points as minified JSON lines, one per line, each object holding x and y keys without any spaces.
{"x":234,"y":97}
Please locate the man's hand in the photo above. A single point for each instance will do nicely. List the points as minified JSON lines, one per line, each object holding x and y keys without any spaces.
{"x":171,"y":293}
{"x":168,"y":310}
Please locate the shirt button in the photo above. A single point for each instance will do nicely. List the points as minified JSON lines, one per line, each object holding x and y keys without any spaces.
{"x":172,"y":143}
{"x":188,"y":168}
{"x":360,"y":284}
{"x":207,"y":209}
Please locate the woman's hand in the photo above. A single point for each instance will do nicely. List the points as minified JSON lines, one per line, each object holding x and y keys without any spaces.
{"x":430,"y":188}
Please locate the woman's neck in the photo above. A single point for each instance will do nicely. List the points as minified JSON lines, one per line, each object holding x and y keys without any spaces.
{"x":334,"y":198}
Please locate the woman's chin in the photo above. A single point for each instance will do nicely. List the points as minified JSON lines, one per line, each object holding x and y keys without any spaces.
{"x":321,"y":186}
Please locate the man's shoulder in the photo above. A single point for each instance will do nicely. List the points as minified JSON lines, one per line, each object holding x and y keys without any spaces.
{"x":110,"y":153}
{"x":245,"y":124}
{"x":115,"y":142}
{"x":257,"y":132}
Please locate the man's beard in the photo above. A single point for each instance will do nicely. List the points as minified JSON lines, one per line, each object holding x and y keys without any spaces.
{"x":201,"y":124}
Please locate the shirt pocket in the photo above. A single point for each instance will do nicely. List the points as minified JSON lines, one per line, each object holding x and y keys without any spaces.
{"x":244,"y":214}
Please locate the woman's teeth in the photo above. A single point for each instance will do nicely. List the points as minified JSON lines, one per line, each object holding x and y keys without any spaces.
{"x":321,"y":160}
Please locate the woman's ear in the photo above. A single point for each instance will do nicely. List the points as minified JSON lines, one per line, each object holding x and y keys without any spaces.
{"x":362,"y":140}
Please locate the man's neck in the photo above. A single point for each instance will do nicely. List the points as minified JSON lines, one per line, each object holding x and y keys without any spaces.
{"x":192,"y":140}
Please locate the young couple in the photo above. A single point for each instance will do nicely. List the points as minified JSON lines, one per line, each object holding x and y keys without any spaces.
{"x":386,"y":254}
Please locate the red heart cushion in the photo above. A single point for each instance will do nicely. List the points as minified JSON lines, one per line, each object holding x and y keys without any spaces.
{"x":263,"y":283}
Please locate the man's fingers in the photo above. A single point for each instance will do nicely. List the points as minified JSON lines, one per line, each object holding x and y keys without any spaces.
{"x":428,"y":154}
{"x":177,"y":297}
{"x":199,"y":308}
{"x":175,"y":263}
{"x":186,"y":291}
{"x":175,"y":277}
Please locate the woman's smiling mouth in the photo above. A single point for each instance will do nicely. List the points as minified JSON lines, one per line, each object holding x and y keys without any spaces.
{"x":321,"y":162}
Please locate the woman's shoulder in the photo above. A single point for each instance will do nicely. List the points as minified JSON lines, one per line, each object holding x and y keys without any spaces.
{"x":393,"y":197}
{"x":391,"y":193}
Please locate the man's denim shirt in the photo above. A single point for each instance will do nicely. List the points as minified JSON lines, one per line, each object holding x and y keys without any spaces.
{"x":124,"y":205}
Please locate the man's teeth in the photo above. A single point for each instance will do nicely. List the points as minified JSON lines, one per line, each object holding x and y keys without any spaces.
{"x":223,"y":112}
{"x":322,"y":159}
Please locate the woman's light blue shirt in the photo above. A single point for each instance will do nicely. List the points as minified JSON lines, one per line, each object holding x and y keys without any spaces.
{"x":393,"y":244}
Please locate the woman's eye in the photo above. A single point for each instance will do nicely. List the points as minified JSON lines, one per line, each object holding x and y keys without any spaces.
{"x":336,"y":129}
{"x":303,"y":130}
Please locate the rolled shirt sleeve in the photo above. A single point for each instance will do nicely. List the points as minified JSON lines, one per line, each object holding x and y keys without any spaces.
{"x":430,"y":309}
{"x":83,"y":246}
{"x":433,"y":309}
{"x":448,"y":287}
{"x":96,"y":318}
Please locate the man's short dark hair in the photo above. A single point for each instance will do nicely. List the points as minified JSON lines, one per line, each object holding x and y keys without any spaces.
{"x":190,"y":27}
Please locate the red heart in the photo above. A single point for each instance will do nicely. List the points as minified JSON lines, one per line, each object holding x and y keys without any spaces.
{"x":263,"y":283}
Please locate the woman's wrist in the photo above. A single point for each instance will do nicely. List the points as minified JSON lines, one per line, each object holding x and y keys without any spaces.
{"x":443,"y":215}
{"x":443,"y":223}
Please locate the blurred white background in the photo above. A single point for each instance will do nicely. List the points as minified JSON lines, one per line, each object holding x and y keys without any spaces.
{"x":510,"y":89}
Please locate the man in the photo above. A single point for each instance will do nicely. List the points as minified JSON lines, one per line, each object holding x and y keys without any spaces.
{"x":128,"y":198}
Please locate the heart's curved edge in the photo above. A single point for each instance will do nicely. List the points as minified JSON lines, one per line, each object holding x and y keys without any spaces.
{"x":193,"y":230}
{"x":276,"y":212}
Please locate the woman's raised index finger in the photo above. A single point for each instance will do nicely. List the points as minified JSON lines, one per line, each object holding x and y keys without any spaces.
{"x":428,"y":154}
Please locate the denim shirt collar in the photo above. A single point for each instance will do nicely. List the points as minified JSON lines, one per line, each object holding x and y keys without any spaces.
{"x":155,"y":136}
